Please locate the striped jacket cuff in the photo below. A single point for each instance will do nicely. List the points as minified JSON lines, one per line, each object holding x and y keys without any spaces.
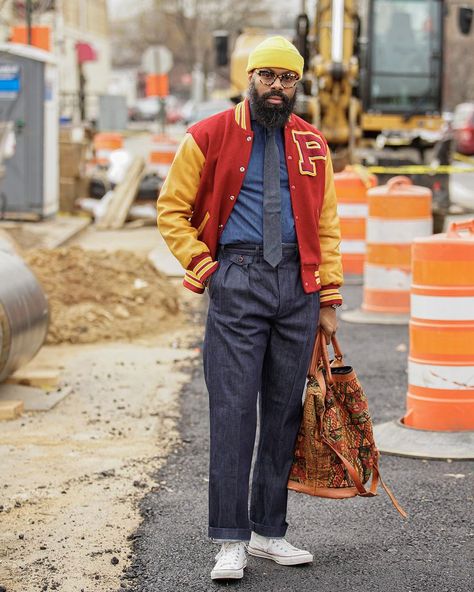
{"x":330,"y":295}
{"x":192,"y":283}
{"x":200,"y":268}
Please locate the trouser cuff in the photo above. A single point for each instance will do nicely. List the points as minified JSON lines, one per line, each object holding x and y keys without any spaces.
{"x":269,"y":531}
{"x":236,"y":534}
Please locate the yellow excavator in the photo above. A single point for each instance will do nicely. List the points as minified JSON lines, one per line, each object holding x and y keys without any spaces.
{"x":373,"y":75}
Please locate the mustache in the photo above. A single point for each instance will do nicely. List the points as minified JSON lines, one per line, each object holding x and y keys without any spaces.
{"x":275,"y":93}
{"x":268,"y":115}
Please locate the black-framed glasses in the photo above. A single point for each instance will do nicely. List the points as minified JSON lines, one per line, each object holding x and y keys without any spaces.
{"x":268,"y":77}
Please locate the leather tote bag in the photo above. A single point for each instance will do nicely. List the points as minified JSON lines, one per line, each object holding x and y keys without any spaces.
{"x":335,"y":454}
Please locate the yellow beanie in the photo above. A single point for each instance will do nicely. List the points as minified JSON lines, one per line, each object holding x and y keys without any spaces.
{"x":276,"y":52}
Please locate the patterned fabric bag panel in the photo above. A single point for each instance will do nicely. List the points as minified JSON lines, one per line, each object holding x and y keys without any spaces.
{"x":342,"y":417}
{"x":335,"y":453}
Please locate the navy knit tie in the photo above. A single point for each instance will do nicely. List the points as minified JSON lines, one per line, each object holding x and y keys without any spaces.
{"x":271,"y":201}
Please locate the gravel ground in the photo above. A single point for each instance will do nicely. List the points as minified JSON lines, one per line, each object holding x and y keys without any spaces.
{"x":359,"y":544}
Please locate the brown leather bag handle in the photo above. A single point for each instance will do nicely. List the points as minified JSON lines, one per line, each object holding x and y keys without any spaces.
{"x":325,"y":357}
{"x":320,"y":355}
{"x":316,"y":356}
{"x":337,"y":350}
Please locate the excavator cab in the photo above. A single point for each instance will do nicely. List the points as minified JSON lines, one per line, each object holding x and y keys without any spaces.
{"x":401,"y":72}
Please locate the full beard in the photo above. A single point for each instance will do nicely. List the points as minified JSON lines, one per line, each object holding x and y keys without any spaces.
{"x":268,"y":114}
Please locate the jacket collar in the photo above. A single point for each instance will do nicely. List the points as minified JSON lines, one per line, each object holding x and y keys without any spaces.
{"x":242,"y":115}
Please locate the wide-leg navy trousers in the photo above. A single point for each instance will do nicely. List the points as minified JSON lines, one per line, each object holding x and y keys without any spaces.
{"x":260,"y":332}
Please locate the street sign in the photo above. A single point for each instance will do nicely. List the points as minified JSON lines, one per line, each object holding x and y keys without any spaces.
{"x":157,"y":59}
{"x":157,"y":85}
{"x":10,"y":80}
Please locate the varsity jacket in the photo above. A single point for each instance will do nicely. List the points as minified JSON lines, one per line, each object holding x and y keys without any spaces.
{"x":204,"y":182}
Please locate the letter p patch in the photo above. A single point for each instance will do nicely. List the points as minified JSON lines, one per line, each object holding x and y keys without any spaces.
{"x":310,"y":149}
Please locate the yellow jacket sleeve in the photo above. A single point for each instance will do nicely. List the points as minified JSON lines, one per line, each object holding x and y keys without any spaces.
{"x":330,"y":269}
{"x":176,"y":201}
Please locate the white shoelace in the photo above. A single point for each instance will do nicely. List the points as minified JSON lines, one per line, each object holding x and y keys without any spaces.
{"x":283,"y":545}
{"x":230,"y":556}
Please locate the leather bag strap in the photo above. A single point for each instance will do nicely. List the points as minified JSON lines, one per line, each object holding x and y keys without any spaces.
{"x":338,"y":355}
{"x":320,"y":356}
{"x":393,"y":499}
{"x":325,"y":357}
{"x":376,"y":477}
{"x":350,"y":469}
{"x":316,"y":356}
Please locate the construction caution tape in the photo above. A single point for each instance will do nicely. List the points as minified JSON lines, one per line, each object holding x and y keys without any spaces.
{"x":419,"y":170}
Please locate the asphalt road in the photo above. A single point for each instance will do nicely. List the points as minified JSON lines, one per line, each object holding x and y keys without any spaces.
{"x":359,"y":544}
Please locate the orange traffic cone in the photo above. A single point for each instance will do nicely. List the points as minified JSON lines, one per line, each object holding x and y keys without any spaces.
{"x":441,"y":360}
{"x":399,"y":212}
{"x":162,"y":153}
{"x":351,"y":191}
{"x":104,"y":144}
{"x":439,"y":422}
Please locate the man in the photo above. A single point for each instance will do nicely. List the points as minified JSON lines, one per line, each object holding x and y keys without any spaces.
{"x":249,"y":209}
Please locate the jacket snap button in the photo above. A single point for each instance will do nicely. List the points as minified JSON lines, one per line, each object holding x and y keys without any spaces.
{"x":241,"y":259}
{"x":242,"y":169}
{"x":293,"y":187}
{"x":221,"y":225}
{"x":249,"y":138}
{"x":232,"y":197}
{"x":290,"y":158}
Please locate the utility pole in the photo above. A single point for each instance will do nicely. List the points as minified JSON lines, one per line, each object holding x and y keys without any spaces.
{"x":29,"y":13}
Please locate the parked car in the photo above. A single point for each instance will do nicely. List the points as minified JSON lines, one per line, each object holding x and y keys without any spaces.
{"x":463,"y":128}
{"x":144,"y":109}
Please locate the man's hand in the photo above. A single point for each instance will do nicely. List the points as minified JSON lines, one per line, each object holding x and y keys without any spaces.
{"x":328,"y":322}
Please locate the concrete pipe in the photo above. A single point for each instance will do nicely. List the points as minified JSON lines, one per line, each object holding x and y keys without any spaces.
{"x":24,"y":314}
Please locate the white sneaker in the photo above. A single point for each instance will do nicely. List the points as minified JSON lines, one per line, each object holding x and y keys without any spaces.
{"x":278,"y":550}
{"x":230,"y":562}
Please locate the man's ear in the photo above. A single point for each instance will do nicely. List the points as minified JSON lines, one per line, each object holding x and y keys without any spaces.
{"x":250,"y":74}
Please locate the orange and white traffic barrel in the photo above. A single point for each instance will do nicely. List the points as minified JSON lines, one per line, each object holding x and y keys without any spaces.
{"x":104,"y":144}
{"x":398,"y":213}
{"x":441,"y":358}
{"x":162,"y":154}
{"x":351,"y":191}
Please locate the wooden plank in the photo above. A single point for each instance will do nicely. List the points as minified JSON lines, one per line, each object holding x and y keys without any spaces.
{"x":123,"y":196}
{"x":10,"y":409}
{"x":32,"y":398}
{"x":22,"y":216}
{"x":45,"y":234}
{"x":42,"y":378}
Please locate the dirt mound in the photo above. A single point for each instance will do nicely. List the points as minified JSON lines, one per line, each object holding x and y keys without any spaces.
{"x":102,"y":295}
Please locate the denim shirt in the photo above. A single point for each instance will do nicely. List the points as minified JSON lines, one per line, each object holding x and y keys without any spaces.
{"x":245,"y":223}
